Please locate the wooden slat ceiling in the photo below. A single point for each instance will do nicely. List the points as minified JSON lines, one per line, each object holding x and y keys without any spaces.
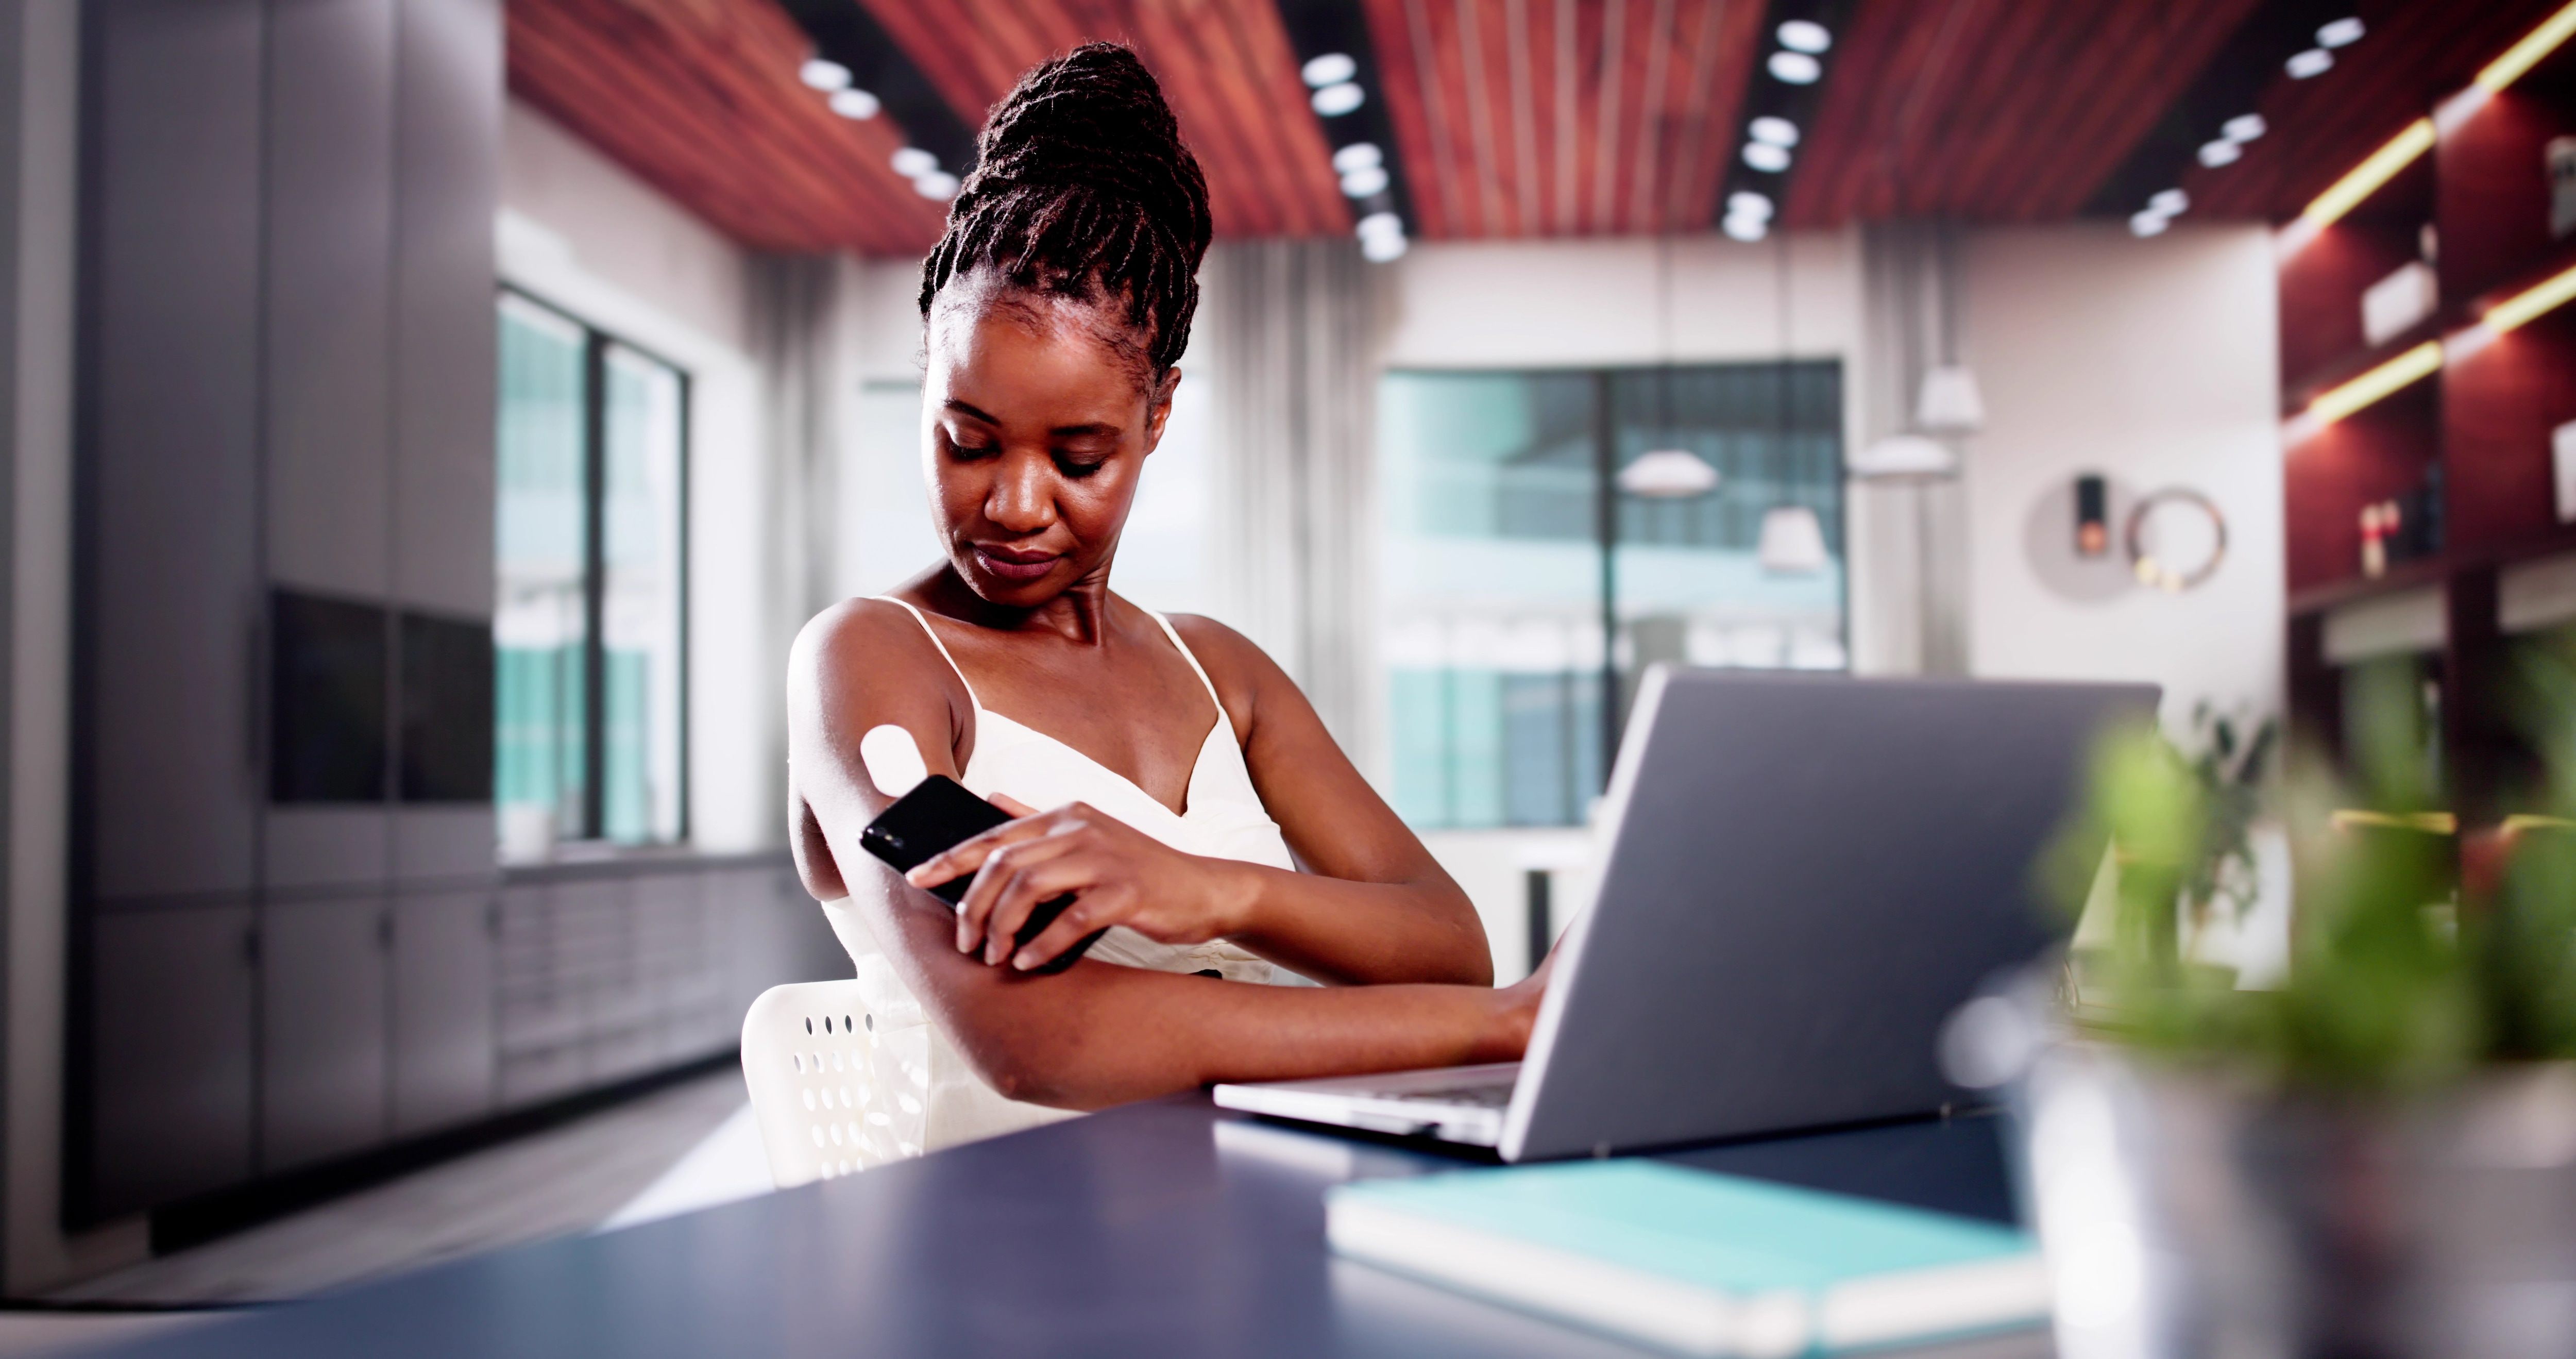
{"x":1226,"y":66}
{"x":2415,"y":53}
{"x":701,"y":99}
{"x":1512,"y":118}
{"x":1995,"y":110}
{"x":1564,"y":117}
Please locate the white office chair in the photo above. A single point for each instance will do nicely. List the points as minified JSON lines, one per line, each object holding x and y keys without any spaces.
{"x":825,"y":1084}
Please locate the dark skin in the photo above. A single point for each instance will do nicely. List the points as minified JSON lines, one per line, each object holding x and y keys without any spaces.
{"x":1038,"y":421}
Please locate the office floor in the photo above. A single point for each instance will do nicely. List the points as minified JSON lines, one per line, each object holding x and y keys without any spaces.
{"x":684,"y":1147}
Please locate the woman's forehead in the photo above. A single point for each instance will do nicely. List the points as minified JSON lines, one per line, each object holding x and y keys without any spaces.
{"x":979,"y":318}
{"x":1043,"y":375}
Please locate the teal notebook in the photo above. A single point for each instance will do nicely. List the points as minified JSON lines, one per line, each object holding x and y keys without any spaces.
{"x":1692,"y":1261}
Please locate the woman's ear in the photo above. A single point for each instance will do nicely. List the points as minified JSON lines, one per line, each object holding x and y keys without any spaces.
{"x":1162,"y":408}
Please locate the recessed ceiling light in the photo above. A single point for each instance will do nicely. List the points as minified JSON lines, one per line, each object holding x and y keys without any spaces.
{"x":2313,"y":62}
{"x":1380,"y":224}
{"x":1805,"y":35}
{"x":1795,"y":68}
{"x":824,"y":74}
{"x":2244,"y":127}
{"x":938,"y":184}
{"x":1777,"y":131}
{"x":1332,"y":68}
{"x":1358,"y":156}
{"x":856,"y":105}
{"x":1746,"y":203}
{"x":912,"y":162}
{"x":1766,"y":157}
{"x":1366,"y":180}
{"x":2220,"y":152}
{"x":1333,"y":101}
{"x":2148,"y":223}
{"x":2170,"y":202}
{"x":1384,"y":249}
{"x":2340,"y":33}
{"x":1745,"y":227}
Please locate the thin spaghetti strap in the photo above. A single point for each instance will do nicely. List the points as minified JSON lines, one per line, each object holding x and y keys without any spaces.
{"x":952,"y":661}
{"x":1195,"y":667}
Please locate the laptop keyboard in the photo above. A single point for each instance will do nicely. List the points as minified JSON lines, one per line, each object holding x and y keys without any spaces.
{"x":1479,"y":1095}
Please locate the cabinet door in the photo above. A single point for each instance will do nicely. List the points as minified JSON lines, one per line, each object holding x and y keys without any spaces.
{"x":323,"y":1042}
{"x":170,"y":1065}
{"x":169,"y":462}
{"x":443,"y":1039}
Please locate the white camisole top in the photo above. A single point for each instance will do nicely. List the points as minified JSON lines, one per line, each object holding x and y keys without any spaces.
{"x":920,"y":1095}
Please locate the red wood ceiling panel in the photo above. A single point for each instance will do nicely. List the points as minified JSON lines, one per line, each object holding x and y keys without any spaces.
{"x":2414,"y":55}
{"x":1564,"y":117}
{"x":700,"y":98}
{"x":1225,"y":65}
{"x":1994,"y":110}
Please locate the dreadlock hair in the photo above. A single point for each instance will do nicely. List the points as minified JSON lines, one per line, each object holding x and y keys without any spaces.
{"x":1084,"y":190}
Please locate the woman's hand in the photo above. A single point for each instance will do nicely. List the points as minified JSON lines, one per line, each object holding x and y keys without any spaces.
{"x":1118,"y":875}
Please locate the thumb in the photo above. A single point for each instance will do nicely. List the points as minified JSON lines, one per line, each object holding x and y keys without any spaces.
{"x":1013,"y":805}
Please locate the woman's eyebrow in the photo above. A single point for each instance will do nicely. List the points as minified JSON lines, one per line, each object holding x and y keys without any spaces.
{"x":1096,"y":429}
{"x":964,"y":409}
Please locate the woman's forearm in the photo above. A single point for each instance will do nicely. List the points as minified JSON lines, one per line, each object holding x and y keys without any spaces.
{"x":1101,"y":1034}
{"x":1354,"y":933}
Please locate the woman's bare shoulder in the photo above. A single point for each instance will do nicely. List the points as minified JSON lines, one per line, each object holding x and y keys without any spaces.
{"x":859,"y":646}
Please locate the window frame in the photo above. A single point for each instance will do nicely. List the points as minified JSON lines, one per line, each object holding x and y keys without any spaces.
{"x":597,"y":342}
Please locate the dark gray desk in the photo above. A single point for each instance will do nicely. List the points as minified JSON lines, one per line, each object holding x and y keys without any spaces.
{"x":1165,"y":1228}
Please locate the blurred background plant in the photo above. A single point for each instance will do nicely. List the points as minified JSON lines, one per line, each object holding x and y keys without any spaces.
{"x":2396,"y":983}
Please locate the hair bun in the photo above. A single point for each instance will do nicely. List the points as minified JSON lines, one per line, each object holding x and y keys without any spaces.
{"x":1084,"y":187}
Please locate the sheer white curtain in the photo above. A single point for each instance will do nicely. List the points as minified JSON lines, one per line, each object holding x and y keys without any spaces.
{"x":1291,"y":331}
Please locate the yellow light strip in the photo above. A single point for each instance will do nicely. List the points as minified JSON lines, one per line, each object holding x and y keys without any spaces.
{"x":2365,"y":178}
{"x":2335,"y":403}
{"x":2524,"y":55}
{"x":2531,"y":302}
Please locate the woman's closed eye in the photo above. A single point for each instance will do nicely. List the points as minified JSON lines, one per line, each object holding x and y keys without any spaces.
{"x":1080,"y":465}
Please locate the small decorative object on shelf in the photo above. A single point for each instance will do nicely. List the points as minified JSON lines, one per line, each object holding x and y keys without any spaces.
{"x":2562,"y":186}
{"x":2379,"y":522}
{"x":2562,"y":467}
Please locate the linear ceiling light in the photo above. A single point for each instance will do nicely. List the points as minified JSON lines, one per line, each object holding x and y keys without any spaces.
{"x":2531,"y":302}
{"x":2524,"y":55}
{"x":2364,"y":180}
{"x":2335,"y":403}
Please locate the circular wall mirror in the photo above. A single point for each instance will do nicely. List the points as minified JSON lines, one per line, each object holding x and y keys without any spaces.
{"x":2176,"y":539}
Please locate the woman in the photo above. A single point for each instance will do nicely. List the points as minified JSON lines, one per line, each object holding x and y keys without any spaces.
{"x":1163,"y":769}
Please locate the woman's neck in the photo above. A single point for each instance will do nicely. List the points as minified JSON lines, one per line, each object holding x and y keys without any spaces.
{"x":1079,"y":615}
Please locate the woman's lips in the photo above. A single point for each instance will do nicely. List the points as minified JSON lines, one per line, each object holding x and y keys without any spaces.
{"x":1013,"y":564}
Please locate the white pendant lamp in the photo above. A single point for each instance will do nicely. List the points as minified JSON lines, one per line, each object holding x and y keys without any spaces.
{"x":1793,"y":541}
{"x":1903,"y":457}
{"x":1669,"y":474}
{"x":1950,"y":402}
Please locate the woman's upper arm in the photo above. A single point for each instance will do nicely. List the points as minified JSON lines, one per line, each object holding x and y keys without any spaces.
{"x":1332,"y":818}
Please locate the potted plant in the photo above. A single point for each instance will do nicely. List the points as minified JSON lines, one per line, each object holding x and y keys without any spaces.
{"x":2375,"y":1158}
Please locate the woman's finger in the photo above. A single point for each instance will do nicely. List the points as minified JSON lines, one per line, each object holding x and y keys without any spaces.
{"x":1089,"y":912}
{"x":1012,"y":805}
{"x":1029,"y":886}
{"x":969,"y":854}
{"x":975,"y":909}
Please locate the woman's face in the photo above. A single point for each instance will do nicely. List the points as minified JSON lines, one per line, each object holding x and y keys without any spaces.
{"x":1036,"y":428}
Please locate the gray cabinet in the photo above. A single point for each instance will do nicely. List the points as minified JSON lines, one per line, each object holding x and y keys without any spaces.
{"x":169,"y":1011}
{"x":443,"y":1069}
{"x":322,"y":1071}
{"x":169,"y":589}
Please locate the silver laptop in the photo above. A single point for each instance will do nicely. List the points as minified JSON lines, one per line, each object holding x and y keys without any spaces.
{"x":1805,"y":874}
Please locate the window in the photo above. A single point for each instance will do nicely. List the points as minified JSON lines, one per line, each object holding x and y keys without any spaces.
{"x":590,"y":626}
{"x":1503,"y":576}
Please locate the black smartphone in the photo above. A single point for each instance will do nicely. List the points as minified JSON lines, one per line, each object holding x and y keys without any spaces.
{"x":937,"y":814}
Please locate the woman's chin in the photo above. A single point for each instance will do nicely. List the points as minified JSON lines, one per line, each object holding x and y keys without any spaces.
{"x":995,"y":583}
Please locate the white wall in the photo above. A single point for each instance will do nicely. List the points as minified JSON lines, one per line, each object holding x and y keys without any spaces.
{"x":581,"y":233}
{"x":2151,"y":362}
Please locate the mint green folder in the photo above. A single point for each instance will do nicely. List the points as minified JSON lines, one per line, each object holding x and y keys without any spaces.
{"x":1692,"y":1261}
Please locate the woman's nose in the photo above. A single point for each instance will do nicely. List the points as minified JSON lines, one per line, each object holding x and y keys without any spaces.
{"x":1021,"y":500}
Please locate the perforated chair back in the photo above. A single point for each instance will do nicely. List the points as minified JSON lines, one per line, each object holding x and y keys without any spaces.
{"x":811,"y":1055}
